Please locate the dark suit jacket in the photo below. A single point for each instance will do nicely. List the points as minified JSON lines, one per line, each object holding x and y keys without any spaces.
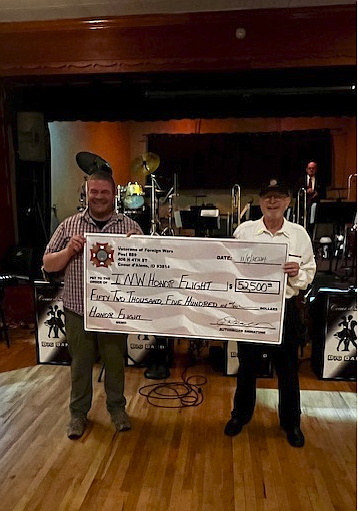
{"x":319,"y":188}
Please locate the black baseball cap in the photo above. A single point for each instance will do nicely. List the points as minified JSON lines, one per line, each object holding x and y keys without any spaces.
{"x":274,"y":185}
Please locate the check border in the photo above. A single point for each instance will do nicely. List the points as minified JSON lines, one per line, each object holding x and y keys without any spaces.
{"x":209,"y":288}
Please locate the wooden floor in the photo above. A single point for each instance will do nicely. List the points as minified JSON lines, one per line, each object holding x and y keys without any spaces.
{"x":172,"y":459}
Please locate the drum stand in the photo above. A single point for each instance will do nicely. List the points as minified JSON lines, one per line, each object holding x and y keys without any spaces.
{"x":349,"y":251}
{"x":168,"y":230}
{"x":118,"y":200}
{"x":153,"y":207}
{"x":83,"y":197}
{"x":173,"y":192}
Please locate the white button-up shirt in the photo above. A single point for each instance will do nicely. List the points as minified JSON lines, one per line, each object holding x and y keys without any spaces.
{"x":299,"y":249}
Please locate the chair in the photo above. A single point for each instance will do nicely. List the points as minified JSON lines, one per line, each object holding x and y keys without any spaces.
{"x":5,"y":281}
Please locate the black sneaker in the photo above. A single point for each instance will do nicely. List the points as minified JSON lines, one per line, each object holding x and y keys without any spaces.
{"x":233,"y":427}
{"x":295,"y":437}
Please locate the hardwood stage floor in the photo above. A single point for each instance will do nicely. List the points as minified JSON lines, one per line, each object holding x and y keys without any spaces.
{"x":174,"y":458}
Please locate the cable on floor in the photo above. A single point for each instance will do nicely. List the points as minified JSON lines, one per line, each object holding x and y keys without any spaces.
{"x":182,"y":394}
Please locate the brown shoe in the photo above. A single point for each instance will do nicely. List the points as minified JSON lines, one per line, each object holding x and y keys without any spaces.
{"x":121,"y":420}
{"x":76,"y":427}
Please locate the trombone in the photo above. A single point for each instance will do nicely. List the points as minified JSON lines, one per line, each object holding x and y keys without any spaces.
{"x":301,"y":205}
{"x":234,"y":215}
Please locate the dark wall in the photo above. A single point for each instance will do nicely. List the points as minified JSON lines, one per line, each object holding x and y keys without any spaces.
{"x":217,"y":161}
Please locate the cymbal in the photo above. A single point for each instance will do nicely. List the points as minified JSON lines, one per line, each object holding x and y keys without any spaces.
{"x":91,"y":163}
{"x":145,"y":164}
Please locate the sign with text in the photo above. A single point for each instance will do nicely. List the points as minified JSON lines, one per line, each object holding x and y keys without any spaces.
{"x":340,"y":345}
{"x":51,"y":341}
{"x":205,"y":288}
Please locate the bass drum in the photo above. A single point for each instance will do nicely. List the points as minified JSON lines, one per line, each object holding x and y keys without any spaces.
{"x":139,"y":349}
{"x":134,"y":196}
{"x":142,"y":217}
{"x":149,"y":350}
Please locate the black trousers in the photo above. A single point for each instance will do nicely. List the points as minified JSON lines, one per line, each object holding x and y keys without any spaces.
{"x":285,"y":360}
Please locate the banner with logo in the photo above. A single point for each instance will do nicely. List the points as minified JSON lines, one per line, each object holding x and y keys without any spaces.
{"x":51,"y":343}
{"x":340,"y":347}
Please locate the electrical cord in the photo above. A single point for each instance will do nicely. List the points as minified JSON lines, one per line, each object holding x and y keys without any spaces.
{"x":187,"y":393}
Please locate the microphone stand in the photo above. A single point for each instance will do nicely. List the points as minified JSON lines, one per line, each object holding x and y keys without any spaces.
{"x":153,"y":206}
{"x":168,"y":230}
{"x":153,"y":216}
{"x":173,"y":192}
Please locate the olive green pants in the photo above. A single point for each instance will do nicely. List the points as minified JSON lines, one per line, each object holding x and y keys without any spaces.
{"x":84,"y":348}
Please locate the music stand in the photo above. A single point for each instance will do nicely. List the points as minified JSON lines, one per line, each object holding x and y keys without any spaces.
{"x":201,"y":219}
{"x":209,"y":220}
{"x":336,"y":213}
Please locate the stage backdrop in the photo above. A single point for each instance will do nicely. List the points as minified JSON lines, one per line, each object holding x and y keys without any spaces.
{"x":218,"y":160}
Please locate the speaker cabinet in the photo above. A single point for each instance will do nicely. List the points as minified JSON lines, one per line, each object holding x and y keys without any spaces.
{"x":31,"y":136}
{"x":334,"y":345}
{"x":51,"y":341}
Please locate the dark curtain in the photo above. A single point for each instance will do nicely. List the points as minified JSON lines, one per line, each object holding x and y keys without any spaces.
{"x":218,"y":161}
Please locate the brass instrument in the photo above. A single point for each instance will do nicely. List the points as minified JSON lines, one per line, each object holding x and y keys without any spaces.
{"x":352,"y":187}
{"x":301,"y":207}
{"x":234,"y":216}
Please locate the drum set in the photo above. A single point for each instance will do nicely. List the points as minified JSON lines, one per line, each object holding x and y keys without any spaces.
{"x":130,"y":197}
{"x":138,"y":202}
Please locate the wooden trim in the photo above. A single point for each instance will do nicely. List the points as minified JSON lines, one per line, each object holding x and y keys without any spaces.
{"x":304,"y":37}
{"x":301,"y":14}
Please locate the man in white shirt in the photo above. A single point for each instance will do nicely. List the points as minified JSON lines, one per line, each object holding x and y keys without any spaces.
{"x":300,"y":270}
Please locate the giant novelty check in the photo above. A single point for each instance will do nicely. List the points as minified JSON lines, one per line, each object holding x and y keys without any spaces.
{"x":206,"y":288}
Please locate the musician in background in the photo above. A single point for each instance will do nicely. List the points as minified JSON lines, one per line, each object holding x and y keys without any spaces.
{"x":315,"y":191}
{"x":312,"y":184}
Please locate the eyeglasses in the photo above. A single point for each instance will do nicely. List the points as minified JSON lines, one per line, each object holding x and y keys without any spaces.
{"x":275,"y":196}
